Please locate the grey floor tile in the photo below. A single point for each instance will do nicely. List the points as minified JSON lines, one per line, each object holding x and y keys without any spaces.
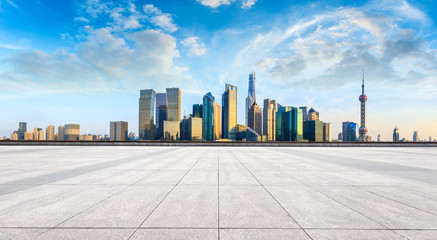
{"x":353,"y":234}
{"x":418,"y":234}
{"x":79,"y":234}
{"x":175,"y":234}
{"x":261,"y":234}
{"x":12,"y":234}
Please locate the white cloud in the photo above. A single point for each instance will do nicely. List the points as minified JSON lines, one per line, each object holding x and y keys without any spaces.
{"x":81,"y":19}
{"x":245,"y":4}
{"x":13,"y":4}
{"x":160,"y":19}
{"x":214,"y":3}
{"x":194,"y":46}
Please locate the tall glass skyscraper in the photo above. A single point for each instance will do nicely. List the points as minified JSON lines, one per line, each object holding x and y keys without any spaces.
{"x":396,"y":134}
{"x":147,"y":114}
{"x":22,"y":128}
{"x":208,"y":117}
{"x":197,"y":110}
{"x":313,"y":131}
{"x":161,"y":114}
{"x":217,"y":121}
{"x":251,"y":99}
{"x":350,"y":132}
{"x":173,"y":104}
{"x":229,"y":110}
{"x":289,"y":125}
{"x":269,"y":119}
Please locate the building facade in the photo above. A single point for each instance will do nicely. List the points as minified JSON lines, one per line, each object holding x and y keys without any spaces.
{"x":251,"y":99}
{"x":161,"y":114}
{"x":350,"y":132}
{"x":396,"y":134}
{"x":50,"y":133}
{"x":313,"y":131}
{"x":172,"y":130}
{"x":38,"y":134}
{"x":191,"y":129}
{"x":217,"y":121}
{"x":416,"y":137}
{"x":71,"y":132}
{"x":243,"y":133}
{"x":147,"y":114}
{"x":327,"y":137}
{"x":22,"y":128}
{"x":118,"y":131}
{"x":255,"y":118}
{"x":61,"y":133}
{"x":229,"y":110}
{"x":173,"y":104}
{"x":289,"y":125}
{"x":197,"y":110}
{"x":208,"y":117}
{"x":269,"y":119}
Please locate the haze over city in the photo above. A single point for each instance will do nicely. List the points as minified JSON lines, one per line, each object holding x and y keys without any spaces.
{"x":85,"y":61}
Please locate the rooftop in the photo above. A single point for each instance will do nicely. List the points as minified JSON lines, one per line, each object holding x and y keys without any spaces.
{"x":137,"y":192}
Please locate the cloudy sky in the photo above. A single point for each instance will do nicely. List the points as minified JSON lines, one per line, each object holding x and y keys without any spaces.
{"x":84,"y":61}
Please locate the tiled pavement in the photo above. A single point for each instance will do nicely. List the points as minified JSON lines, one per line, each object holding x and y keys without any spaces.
{"x":97,"y":192}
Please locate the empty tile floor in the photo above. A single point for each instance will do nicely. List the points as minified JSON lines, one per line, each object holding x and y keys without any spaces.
{"x":100,"y":192}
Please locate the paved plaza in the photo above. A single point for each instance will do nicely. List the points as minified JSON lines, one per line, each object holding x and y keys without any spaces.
{"x":103,"y":192}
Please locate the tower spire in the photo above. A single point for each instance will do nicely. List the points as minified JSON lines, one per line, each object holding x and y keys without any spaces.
{"x":363,"y":99}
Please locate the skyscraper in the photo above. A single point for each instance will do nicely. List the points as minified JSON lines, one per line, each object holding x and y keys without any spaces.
{"x":22,"y":128}
{"x":161,"y":114}
{"x":50,"y":133}
{"x":363,"y":98}
{"x":289,"y":125}
{"x":197,"y":110}
{"x":208,"y":117}
{"x":61,"y":133}
{"x":172,"y":130}
{"x":229,"y":110}
{"x":147,"y":114}
{"x":118,"y":131}
{"x":396,"y":134}
{"x":312,"y":115}
{"x":269,"y":119}
{"x":255,"y":118}
{"x":313,"y":130}
{"x":71,"y":132}
{"x":416,"y":137}
{"x":217,"y":121}
{"x":349,"y":132}
{"x":327,"y":132}
{"x":251,"y":99}
{"x":38,"y":134}
{"x":304,"y":112}
{"x":173,"y":104}
{"x":191,"y":128}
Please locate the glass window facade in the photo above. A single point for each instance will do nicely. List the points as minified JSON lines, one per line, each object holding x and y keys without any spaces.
{"x":229,"y":110}
{"x":172,"y":130}
{"x":173,"y":104}
{"x":147,"y":114}
{"x":161,"y":114}
{"x":350,"y":132}
{"x":208,"y":117}
{"x":313,"y":131}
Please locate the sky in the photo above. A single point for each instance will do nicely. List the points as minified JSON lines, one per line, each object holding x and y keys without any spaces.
{"x":85,"y":61}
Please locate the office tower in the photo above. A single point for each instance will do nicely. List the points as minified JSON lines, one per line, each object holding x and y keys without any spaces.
{"x":14,"y":135}
{"x":50,"y":133}
{"x":118,"y":131}
{"x":312,"y":115}
{"x":28,"y":136}
{"x":350,"y":132}
{"x":229,"y":110}
{"x":396,"y":134}
{"x":363,"y":98}
{"x":379,"y":138}
{"x":416,"y":137}
{"x":197,"y":110}
{"x":217,"y":121}
{"x":313,"y":130}
{"x":250,"y":100}
{"x":255,"y":118}
{"x":289,"y":125}
{"x":208,"y":117}
{"x":161,"y":114}
{"x":243,"y":133}
{"x":269,"y":119}
{"x":304,"y":113}
{"x":61,"y":133}
{"x":327,"y":132}
{"x":191,"y":128}
{"x":340,"y":136}
{"x":173,"y":104}
{"x":172,"y":130}
{"x":22,"y":128}
{"x":71,"y":132}
{"x":38,"y":134}
{"x":147,"y":114}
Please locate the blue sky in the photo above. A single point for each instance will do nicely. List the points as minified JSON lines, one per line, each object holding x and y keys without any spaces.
{"x":85,"y":61}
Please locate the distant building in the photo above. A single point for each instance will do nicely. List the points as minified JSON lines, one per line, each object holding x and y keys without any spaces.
{"x":229,"y":110}
{"x":71,"y":132}
{"x":14,"y":135}
{"x":269,"y":119}
{"x":172,"y":130}
{"x":313,"y":130}
{"x":340,"y":136}
{"x":208,"y":117}
{"x":350,"y":132}
{"x":327,"y":132}
{"x":379,"y":138}
{"x":50,"y":133}
{"x":217,"y":121}
{"x":363,"y":129}
{"x":87,"y":137}
{"x":251,"y":99}
{"x":147,"y":114}
{"x":161,"y":114}
{"x":243,"y":133}
{"x":312,"y":115}
{"x":197,"y":110}
{"x":28,"y":136}
{"x":173,"y":104}
{"x":304,"y":113}
{"x":38,"y":134}
{"x":289,"y":125}
{"x":255,"y":118}
{"x":61,"y":130}
{"x":416,"y":137}
{"x":396,"y":134}
{"x":22,"y":128}
{"x":191,"y":129}
{"x":118,"y":131}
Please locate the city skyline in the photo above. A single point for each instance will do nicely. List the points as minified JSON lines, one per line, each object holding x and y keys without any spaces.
{"x":305,"y":54}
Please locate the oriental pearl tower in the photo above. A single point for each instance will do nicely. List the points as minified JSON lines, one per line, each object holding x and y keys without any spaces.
{"x":363,"y":129}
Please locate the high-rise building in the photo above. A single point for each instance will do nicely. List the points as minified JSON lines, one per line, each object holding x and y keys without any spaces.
{"x":38,"y":134}
{"x":173,"y":104}
{"x":22,"y":128}
{"x":118,"y":131}
{"x":197,"y":110}
{"x":313,"y":130}
{"x":363,"y":98}
{"x":191,"y":128}
{"x":61,"y":133}
{"x":340,"y":136}
{"x":312,"y":115}
{"x":289,"y":125}
{"x":304,"y":113}
{"x":327,"y":132}
{"x":350,"y":132}
{"x":396,"y":134}
{"x":50,"y":133}
{"x":14,"y":135}
{"x":208,"y":117}
{"x":71,"y":132}
{"x":269,"y":119}
{"x":28,"y":136}
{"x":416,"y":137}
{"x":217,"y":121}
{"x":229,"y":110}
{"x":251,"y":99}
{"x":172,"y":130}
{"x":255,"y":118}
{"x":147,"y":114}
{"x":161,"y":114}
